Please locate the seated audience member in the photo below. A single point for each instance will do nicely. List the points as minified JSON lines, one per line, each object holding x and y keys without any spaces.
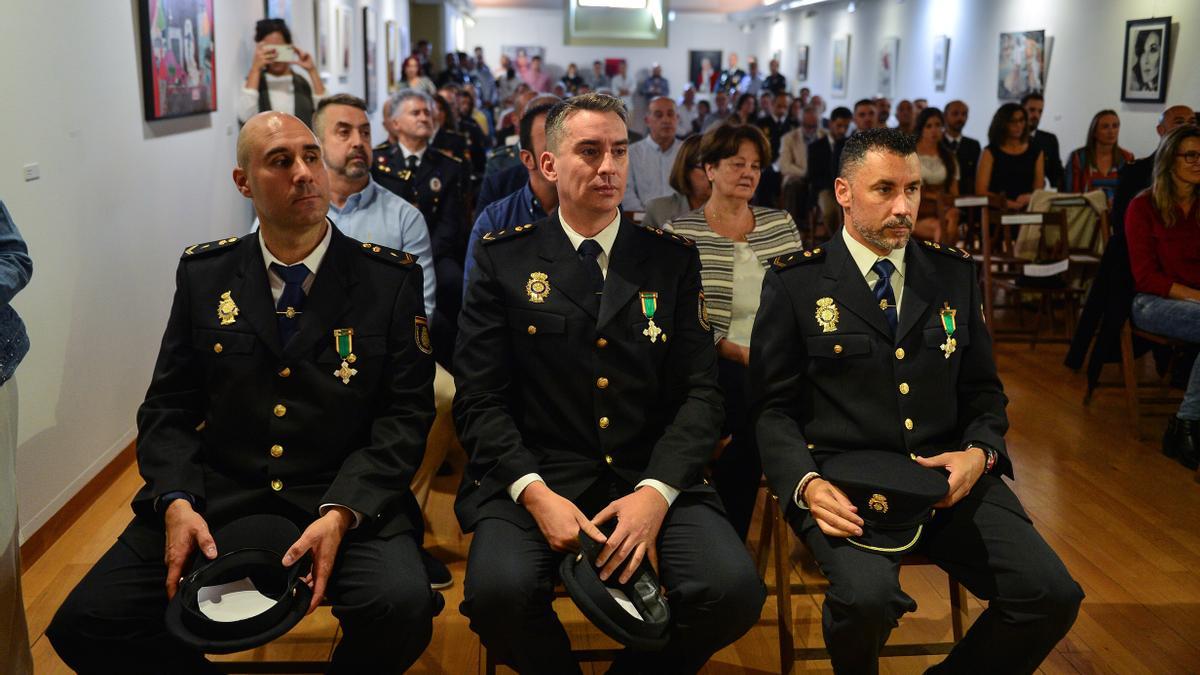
{"x":804,"y":94}
{"x":446,"y":137}
{"x":1034,"y":104}
{"x":271,"y":83}
{"x":766,"y":101}
{"x":414,"y":79}
{"x":597,"y":79}
{"x":1010,"y":166}
{"x":753,"y":82}
{"x":775,"y":82}
{"x":776,"y":123}
{"x":721,"y":111}
{"x":559,"y":90}
{"x":434,"y":183}
{"x":468,"y":110}
{"x":906,"y":117}
{"x":687,"y":111}
{"x":529,"y":203}
{"x":819,"y":103}
{"x":481,"y":74}
{"x":795,"y":111}
{"x":883,"y":111}
{"x":521,"y":99}
{"x":812,"y":407}
{"x":737,"y":243}
{"x":571,"y":80}
{"x":966,"y":149}
{"x":503,"y":183}
{"x":651,"y":159}
{"x":1162,"y":226}
{"x":334,"y":458}
{"x":1137,"y":175}
{"x":622,"y":85}
{"x":746,"y":110}
{"x":824,"y":164}
{"x":1095,"y":165}
{"x":689,"y":182}
{"x":920,"y":104}
{"x":536,"y":416}
{"x":865,"y":112}
{"x":793,"y":160}
{"x":939,"y":180}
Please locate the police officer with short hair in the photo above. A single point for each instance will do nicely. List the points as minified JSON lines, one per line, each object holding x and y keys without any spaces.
{"x":435,"y":184}
{"x":587,"y":393}
{"x":873,"y":342}
{"x":294,"y":379}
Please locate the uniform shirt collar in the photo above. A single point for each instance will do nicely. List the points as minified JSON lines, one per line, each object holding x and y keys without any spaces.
{"x":865,"y":258}
{"x":312,"y":261}
{"x":405,"y":152}
{"x":605,"y":237}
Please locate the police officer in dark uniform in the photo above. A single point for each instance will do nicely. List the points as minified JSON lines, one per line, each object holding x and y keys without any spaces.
{"x":294,"y":379}
{"x":587,"y":392}
{"x":875,"y":342}
{"x":434,"y":183}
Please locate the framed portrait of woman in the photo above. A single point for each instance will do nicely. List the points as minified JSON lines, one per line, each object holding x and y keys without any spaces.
{"x":1147,"y":48}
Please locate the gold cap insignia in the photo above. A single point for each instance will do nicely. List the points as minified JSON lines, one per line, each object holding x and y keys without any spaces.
{"x":227,"y":309}
{"x":827,"y":315}
{"x":538,"y":287}
{"x":878,"y":503}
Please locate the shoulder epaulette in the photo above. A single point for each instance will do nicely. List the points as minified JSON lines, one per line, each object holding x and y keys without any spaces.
{"x":389,"y":255}
{"x":507,"y":233}
{"x":782,"y":262}
{"x":448,"y":154}
{"x":671,"y":236}
{"x":946,"y":250}
{"x":208,"y":248}
{"x":382,"y":146}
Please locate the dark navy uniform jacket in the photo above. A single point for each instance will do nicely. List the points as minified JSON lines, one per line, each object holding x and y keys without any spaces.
{"x":817,"y":392}
{"x":247,"y":425}
{"x":574,"y":391}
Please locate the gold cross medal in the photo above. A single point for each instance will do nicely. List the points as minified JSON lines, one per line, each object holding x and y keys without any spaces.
{"x":949,"y":325}
{"x":227,"y":309}
{"x":343,"y":342}
{"x":649,"y":307}
{"x":827,"y":315}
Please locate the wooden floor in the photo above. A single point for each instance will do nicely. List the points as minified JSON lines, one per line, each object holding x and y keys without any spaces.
{"x":1125,"y":520}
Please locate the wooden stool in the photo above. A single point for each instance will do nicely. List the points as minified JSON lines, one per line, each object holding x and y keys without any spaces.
{"x":581,"y":655}
{"x":1133,"y":398}
{"x":775,"y":528}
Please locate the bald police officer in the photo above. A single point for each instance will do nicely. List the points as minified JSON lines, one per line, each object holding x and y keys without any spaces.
{"x":875,"y":342}
{"x":587,"y":393}
{"x":295,"y":379}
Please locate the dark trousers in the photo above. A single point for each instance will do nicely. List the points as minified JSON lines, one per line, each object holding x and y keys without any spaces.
{"x":993,"y":551}
{"x":113,"y":621}
{"x":738,"y":471}
{"x":713,"y":589}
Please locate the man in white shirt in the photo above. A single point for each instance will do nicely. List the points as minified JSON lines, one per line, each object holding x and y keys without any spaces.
{"x":272,"y":84}
{"x":622,"y":86}
{"x":686,"y":112}
{"x":651,"y":159}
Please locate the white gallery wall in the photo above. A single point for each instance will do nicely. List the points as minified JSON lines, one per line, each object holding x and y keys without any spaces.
{"x":117,"y":201}
{"x":1085,"y":43}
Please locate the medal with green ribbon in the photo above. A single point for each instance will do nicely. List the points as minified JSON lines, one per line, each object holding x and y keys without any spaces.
{"x":649,"y":307}
{"x":343,"y":342}
{"x":949,"y":326}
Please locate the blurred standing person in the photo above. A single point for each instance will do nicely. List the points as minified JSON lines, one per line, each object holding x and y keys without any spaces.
{"x":15,"y":269}
{"x":414,"y":79}
{"x":731,"y":78}
{"x":753,"y":82}
{"x":654,"y":86}
{"x":271,"y":83}
{"x":687,"y":112}
{"x":966,"y":150}
{"x":775,"y":82}
{"x":508,"y":81}
{"x":1095,"y":165}
{"x":939,"y":179}
{"x":572,"y":80}
{"x":597,"y":79}
{"x":535,"y":77}
{"x":622,"y":86}
{"x":737,"y":243}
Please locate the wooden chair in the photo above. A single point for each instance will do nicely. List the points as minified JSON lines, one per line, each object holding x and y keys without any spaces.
{"x":600,"y":655}
{"x":775,"y":530}
{"x":1135,"y":397}
{"x":1052,"y":260}
{"x":978,"y":212}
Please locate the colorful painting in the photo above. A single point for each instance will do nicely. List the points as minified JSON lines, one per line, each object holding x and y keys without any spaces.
{"x":704,"y":69}
{"x":885,"y":80}
{"x":802,"y":63}
{"x":1022,"y":64}
{"x":840,"y":83}
{"x":321,"y":16}
{"x":1147,"y":48}
{"x":179,"y":57}
{"x":369,"y":57}
{"x":941,"y":61}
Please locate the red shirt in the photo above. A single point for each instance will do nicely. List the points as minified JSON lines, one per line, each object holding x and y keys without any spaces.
{"x":1160,"y":255}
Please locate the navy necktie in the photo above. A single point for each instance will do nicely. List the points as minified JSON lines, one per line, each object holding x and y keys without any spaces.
{"x":412,"y":162}
{"x":883,"y":291}
{"x":291,"y":301}
{"x":589,"y":253}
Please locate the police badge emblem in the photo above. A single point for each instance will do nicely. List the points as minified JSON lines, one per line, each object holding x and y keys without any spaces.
{"x":878,"y":503}
{"x":827,"y":315}
{"x":538,"y":287}
{"x":702,"y":313}
{"x":227,"y":309}
{"x":435,"y":184}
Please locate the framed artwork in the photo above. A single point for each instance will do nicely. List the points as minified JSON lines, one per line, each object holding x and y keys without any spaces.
{"x":370,"y":52}
{"x":704,"y":67}
{"x":278,"y":9}
{"x":179,"y":56}
{"x":885,"y":67}
{"x":802,"y":63}
{"x":321,"y":25}
{"x":345,"y":32}
{"x":1147,"y":48}
{"x":839,"y":85}
{"x":391,"y":38}
{"x":1022,"y":67}
{"x":941,"y":61}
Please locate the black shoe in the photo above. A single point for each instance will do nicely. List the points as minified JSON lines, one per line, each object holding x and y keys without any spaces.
{"x":436,"y":570}
{"x":1181,"y":441}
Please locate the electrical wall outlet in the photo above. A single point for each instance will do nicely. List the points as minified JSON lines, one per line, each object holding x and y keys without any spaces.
{"x":32,"y":172}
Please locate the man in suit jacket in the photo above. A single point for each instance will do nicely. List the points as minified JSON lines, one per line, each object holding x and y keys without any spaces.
{"x":257,"y":406}
{"x":435,"y":184}
{"x":587,"y":392}
{"x":1034,"y":103}
{"x":878,"y":370}
{"x":966,"y":150}
{"x":824,"y":161}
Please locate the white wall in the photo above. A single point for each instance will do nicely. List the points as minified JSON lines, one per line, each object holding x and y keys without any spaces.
{"x":1085,"y":43}
{"x":117,"y":202}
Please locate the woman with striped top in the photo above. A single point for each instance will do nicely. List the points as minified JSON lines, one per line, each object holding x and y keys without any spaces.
{"x":736,"y":243}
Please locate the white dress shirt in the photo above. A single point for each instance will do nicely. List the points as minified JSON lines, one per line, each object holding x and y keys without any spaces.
{"x":605,"y":238}
{"x":280,"y":92}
